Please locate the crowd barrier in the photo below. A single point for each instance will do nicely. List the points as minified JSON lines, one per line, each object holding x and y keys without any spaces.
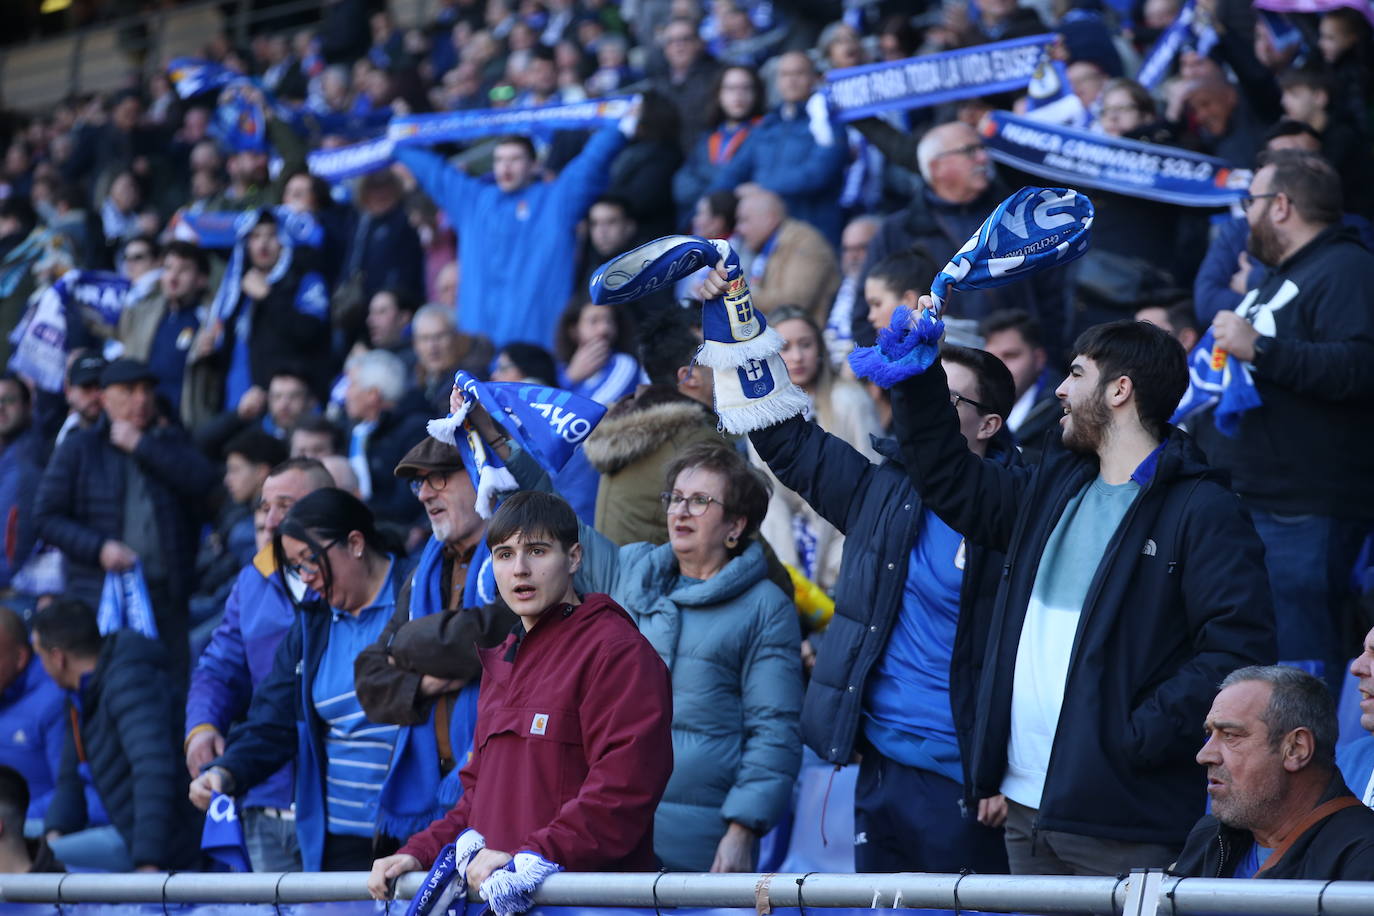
{"x":1142,"y":893}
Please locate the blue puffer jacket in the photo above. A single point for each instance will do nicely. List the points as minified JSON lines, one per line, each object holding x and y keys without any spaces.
{"x":516,"y":249}
{"x":782,"y":155}
{"x":239,"y":658}
{"x":33,"y":725}
{"x":733,"y":646}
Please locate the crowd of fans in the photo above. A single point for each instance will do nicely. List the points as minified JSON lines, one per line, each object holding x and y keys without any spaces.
{"x":1016,"y":637}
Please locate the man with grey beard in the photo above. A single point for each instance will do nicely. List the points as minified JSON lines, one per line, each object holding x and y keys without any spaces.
{"x":1302,"y":460}
{"x":428,"y":651}
{"x":1279,"y":806}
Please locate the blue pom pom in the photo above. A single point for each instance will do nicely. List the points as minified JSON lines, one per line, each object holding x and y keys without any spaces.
{"x":904,"y":349}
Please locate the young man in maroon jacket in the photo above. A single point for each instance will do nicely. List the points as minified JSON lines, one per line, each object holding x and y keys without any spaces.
{"x":572,"y":749}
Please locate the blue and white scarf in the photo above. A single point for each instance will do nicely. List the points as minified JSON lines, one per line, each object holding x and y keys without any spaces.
{"x":124,"y":604}
{"x":1032,"y":230}
{"x":1081,"y":158}
{"x":1190,"y":28}
{"x":222,"y":839}
{"x":1217,"y":377}
{"x":933,"y":79}
{"x":40,"y":339}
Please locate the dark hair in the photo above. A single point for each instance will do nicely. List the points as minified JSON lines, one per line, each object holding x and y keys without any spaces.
{"x":533,"y":361}
{"x":1018,"y":320}
{"x":326,"y":515}
{"x":256,"y":447}
{"x":1182,"y":315}
{"x":24,"y":394}
{"x":69,"y":625}
{"x":21,"y":210}
{"x":1149,"y":356}
{"x":517,"y":140}
{"x":14,"y":801}
{"x":904,"y":271}
{"x":1287,"y":127}
{"x":1305,"y":79}
{"x":746,"y":489}
{"x":715,"y":115}
{"x":319,"y":188}
{"x":148,"y":240}
{"x":659,"y":121}
{"x":1140,"y":96}
{"x":614,"y":200}
{"x":188,"y":251}
{"x":1298,"y":700}
{"x":565,"y":341}
{"x":318,"y":423}
{"x":266,"y":216}
{"x":665,"y":344}
{"x":290,"y":368}
{"x":530,"y":514}
{"x":723,"y":204}
{"x":996,"y":389}
{"x":13,"y":625}
{"x":900,"y":27}
{"x":311,"y":467}
{"x":404,"y":298}
{"x":1309,"y":181}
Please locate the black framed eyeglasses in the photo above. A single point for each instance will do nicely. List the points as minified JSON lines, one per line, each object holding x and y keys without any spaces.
{"x":955,"y":398}
{"x":1249,"y":199}
{"x":697,"y":503}
{"x":437,"y":481}
{"x":311,"y":564}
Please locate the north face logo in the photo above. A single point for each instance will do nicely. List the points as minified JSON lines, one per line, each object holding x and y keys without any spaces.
{"x":1149,"y":549}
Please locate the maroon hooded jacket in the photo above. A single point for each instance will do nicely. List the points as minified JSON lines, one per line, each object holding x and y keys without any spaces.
{"x":573,"y":745}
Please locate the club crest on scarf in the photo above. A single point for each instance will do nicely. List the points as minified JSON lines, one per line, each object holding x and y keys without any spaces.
{"x":1217,"y":377}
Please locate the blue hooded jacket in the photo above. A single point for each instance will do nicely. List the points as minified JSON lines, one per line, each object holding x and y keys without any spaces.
{"x":516,"y":250}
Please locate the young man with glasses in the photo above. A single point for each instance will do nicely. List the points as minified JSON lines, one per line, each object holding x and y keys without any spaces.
{"x":895,"y":675}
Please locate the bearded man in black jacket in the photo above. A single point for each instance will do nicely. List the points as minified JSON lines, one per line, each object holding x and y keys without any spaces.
{"x":1133,"y":583}
{"x":1304,"y":458}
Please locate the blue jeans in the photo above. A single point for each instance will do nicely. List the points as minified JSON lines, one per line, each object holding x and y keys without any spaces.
{"x":1309,"y":558}
{"x":271,"y":842}
{"x":96,"y":849}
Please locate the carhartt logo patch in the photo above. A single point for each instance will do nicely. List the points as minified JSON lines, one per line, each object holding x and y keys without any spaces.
{"x":539,"y":723}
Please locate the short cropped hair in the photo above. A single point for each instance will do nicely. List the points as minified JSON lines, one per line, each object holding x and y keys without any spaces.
{"x":746,"y":489}
{"x":666,"y":343}
{"x":530,"y":514}
{"x":1018,"y":320}
{"x":1310,"y":182}
{"x":310,"y":467}
{"x":1299,"y":700}
{"x":318,"y":423}
{"x":257,"y":447}
{"x":904,"y":271}
{"x":1152,"y":359}
{"x":996,"y":389}
{"x":69,"y":625}
{"x":516,"y":140}
{"x":188,"y":251}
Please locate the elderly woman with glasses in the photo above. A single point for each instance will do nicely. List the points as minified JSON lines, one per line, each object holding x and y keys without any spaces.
{"x":729,"y":636}
{"x":308,"y":709}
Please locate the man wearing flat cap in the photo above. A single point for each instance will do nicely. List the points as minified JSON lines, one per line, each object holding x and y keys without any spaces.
{"x":127,"y":490}
{"x":428,"y":652}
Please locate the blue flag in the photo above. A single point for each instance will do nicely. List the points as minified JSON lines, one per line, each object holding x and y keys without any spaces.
{"x":549,"y":423}
{"x":124,"y":604}
{"x":1217,"y":377}
{"x":222,"y":838}
{"x":191,"y":76}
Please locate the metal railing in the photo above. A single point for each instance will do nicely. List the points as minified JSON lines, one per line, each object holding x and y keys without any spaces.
{"x":1141,"y":893}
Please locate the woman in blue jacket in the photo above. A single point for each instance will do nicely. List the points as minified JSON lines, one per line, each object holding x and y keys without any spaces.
{"x":737,"y":101}
{"x":307,"y":709}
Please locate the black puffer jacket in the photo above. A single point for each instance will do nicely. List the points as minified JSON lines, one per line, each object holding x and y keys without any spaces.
{"x":80,"y":502}
{"x":879,"y":512}
{"x":1179,"y":600}
{"x":130,"y":735}
{"x":1337,"y":847}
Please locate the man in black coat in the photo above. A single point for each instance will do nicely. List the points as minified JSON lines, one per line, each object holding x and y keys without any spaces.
{"x":1279,"y":806}
{"x":388,"y":420}
{"x":1303,"y":460}
{"x":126,"y":727}
{"x":124,"y":491}
{"x":1134,"y":582}
{"x":897,"y":669}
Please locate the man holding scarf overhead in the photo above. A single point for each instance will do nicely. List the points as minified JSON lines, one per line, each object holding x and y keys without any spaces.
{"x":423,"y":669}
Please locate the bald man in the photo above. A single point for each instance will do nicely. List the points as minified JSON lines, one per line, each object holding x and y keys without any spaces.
{"x":961,"y":189}
{"x":793,"y":263}
{"x":798,"y":154}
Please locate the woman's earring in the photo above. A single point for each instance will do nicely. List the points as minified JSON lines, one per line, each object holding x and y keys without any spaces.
{"x":731,"y":542}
